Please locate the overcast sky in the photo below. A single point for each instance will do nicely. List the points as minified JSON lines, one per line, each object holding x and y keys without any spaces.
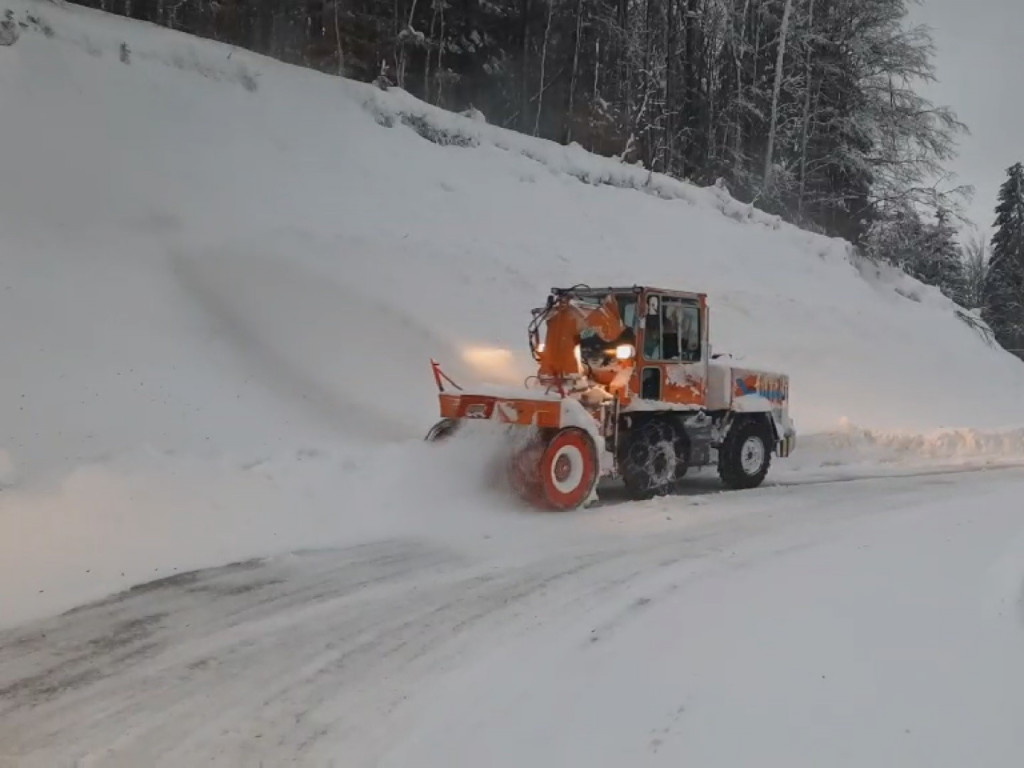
{"x":980,"y":66}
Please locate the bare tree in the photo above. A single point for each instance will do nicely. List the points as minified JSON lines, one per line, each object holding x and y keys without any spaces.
{"x":975,"y":256}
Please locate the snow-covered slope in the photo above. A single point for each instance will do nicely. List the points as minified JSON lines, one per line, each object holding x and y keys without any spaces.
{"x":222,"y":279}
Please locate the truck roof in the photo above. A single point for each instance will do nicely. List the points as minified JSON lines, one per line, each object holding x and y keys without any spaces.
{"x":587,"y":290}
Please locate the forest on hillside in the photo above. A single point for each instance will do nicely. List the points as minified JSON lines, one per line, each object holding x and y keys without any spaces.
{"x":807,"y":107}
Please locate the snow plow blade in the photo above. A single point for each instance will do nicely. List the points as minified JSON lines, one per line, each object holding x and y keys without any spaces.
{"x":552,"y":464}
{"x":517,"y":408}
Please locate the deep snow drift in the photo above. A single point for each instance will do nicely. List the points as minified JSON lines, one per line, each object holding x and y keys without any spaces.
{"x":222,"y":279}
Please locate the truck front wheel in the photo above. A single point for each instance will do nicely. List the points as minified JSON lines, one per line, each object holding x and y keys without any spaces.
{"x":745,"y":455}
{"x":654,"y":458}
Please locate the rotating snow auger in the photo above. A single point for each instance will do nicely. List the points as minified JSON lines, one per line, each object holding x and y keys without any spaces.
{"x":626,"y":387}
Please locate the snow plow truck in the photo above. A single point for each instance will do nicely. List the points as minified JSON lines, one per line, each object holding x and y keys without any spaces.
{"x":626,"y":387}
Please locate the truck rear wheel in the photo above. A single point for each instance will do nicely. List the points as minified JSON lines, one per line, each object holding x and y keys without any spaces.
{"x":745,"y":456}
{"x":655,"y":457}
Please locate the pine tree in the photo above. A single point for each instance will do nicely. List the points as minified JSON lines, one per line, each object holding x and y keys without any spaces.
{"x":923,"y":249}
{"x":1004,"y":284}
{"x":938,"y":262}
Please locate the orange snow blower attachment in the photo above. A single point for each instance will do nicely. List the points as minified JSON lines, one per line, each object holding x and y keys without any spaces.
{"x":525,"y":410}
{"x":554,"y":463}
{"x":559,"y":353}
{"x":557,"y":464}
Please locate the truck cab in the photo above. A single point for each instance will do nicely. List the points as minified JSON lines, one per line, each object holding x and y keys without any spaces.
{"x":670,"y":379}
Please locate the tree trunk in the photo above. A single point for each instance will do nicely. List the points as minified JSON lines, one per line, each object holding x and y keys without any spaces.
{"x":668,"y":163}
{"x":543,"y":63}
{"x":740,"y":38}
{"x":575,"y":71}
{"x":403,"y":59}
{"x":524,"y":101}
{"x":440,"y":58}
{"x":426,"y":58}
{"x":776,"y":91}
{"x":337,"y":37}
{"x":645,"y":126}
{"x":806,"y":127}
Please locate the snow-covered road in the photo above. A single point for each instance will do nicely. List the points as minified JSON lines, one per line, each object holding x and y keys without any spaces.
{"x":872,"y":622}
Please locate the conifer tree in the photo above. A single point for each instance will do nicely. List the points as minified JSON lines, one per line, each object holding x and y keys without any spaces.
{"x":939,"y":261}
{"x":1004,"y":284}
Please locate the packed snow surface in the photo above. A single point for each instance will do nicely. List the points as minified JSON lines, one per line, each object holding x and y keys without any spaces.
{"x":794,"y":626}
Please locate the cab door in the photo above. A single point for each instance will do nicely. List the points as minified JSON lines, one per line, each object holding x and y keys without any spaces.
{"x":673,"y":356}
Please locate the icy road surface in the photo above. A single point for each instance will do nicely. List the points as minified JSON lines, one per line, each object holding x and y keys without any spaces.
{"x":872,"y":622}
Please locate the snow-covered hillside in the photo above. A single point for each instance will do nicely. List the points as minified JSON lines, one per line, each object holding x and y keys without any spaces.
{"x":222,"y":279}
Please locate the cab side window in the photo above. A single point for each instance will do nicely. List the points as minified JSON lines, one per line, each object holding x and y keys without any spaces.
{"x":672,"y":330}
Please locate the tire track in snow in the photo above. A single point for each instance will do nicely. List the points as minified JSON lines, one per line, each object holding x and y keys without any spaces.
{"x":284,"y":649}
{"x":311,"y":657}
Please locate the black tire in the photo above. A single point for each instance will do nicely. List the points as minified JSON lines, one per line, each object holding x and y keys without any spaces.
{"x":443,"y":429}
{"x":654,"y":458}
{"x":745,"y":456}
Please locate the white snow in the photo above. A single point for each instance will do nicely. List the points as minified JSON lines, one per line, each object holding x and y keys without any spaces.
{"x":223,"y":278}
{"x":221,"y":283}
{"x":889,"y":638}
{"x":878,"y":625}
